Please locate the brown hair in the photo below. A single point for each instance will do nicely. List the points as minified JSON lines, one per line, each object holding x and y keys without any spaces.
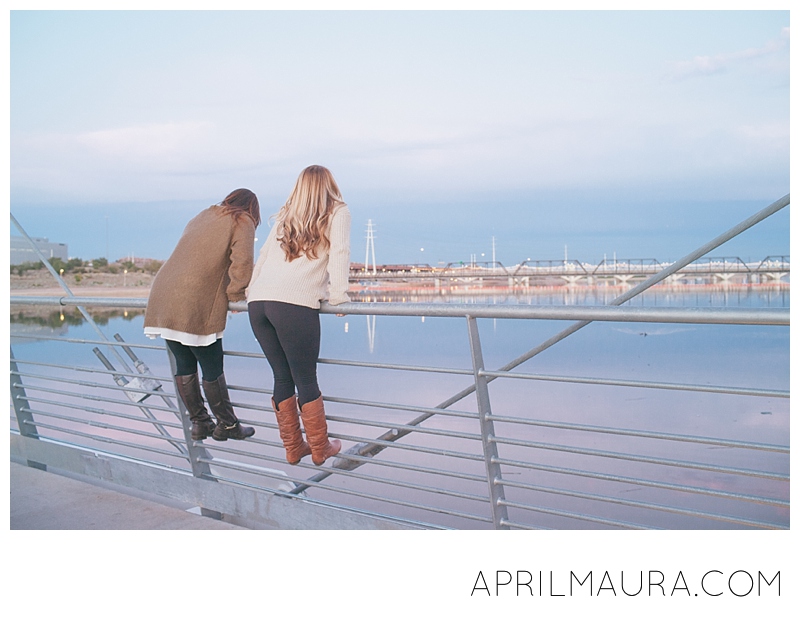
{"x":304,"y":220}
{"x":242,"y":202}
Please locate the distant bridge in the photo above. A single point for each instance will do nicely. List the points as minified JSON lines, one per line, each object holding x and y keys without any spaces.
{"x":541,"y":272}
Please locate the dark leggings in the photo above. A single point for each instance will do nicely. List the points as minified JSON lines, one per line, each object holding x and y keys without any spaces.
{"x":186,"y":358}
{"x":289,"y":336}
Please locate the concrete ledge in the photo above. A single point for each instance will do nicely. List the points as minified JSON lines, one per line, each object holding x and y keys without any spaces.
{"x":248,"y":507}
{"x":42,"y":500}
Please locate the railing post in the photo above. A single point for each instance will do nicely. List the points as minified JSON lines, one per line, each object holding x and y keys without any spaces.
{"x":200,"y":469}
{"x":27,"y":427}
{"x":493,"y":473}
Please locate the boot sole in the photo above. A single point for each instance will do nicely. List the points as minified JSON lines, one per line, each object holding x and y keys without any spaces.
{"x":227,"y":438}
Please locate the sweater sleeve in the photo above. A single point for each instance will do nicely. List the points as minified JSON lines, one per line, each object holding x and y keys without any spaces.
{"x":241,"y":268}
{"x":339,"y":257}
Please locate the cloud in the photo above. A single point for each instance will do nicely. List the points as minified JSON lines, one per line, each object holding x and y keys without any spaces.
{"x":701,"y":66}
{"x":147,"y":161}
{"x":146,"y":143}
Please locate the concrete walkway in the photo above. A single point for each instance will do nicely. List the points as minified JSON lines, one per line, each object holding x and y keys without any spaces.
{"x":48,"y":501}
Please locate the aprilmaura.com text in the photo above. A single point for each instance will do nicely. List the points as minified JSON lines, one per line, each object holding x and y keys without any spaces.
{"x":523,"y":583}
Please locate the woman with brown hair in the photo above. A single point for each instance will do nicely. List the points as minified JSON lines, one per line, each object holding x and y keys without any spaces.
{"x":305,"y":259}
{"x":188,"y":307}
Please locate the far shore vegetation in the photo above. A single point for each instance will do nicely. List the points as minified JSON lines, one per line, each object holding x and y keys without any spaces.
{"x":79,"y":268}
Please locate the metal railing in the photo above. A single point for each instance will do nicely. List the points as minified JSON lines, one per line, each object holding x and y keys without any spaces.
{"x":464,"y":471}
{"x":478,"y":466}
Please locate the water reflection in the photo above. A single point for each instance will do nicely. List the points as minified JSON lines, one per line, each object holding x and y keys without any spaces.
{"x":45,"y":316}
{"x":20,"y":330}
{"x":371,"y":332}
{"x":43,"y":321}
{"x":767,"y":296}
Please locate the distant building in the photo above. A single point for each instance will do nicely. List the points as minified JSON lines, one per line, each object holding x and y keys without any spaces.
{"x":22,"y":252}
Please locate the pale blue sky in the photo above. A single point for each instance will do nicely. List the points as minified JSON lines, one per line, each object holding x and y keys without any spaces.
{"x":409,"y":110}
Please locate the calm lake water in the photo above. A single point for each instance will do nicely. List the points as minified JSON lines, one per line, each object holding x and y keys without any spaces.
{"x":740,"y":356}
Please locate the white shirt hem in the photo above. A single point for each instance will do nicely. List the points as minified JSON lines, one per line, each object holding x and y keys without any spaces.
{"x":190,"y":340}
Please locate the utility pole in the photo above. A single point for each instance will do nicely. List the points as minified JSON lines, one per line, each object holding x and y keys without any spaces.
{"x":370,"y":246}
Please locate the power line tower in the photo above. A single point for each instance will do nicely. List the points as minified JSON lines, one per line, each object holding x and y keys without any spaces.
{"x":370,"y":246}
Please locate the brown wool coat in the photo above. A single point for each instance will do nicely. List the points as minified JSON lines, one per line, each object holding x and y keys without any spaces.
{"x":210,"y":266}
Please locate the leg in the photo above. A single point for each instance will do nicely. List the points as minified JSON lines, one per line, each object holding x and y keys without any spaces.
{"x":188,"y":388}
{"x":267,"y":337}
{"x":299,"y":334}
{"x":316,"y":426}
{"x":210,"y":359}
{"x":216,"y":389}
{"x":185,"y":361}
{"x":228,"y":426}
{"x":284,"y":401}
{"x":288,"y":418}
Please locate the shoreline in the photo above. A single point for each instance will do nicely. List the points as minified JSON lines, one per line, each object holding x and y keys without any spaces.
{"x":135,"y":292}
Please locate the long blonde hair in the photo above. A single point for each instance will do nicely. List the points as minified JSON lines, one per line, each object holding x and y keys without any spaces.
{"x":303,"y":222}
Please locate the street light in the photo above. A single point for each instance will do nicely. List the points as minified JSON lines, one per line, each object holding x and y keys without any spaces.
{"x":124,"y":277}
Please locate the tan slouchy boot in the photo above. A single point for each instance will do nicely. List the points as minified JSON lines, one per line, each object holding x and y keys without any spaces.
{"x":289,"y":428}
{"x":316,"y":427}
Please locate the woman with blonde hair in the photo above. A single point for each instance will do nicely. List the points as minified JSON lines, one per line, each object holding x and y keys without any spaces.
{"x":188,"y":307}
{"x":305,"y":259}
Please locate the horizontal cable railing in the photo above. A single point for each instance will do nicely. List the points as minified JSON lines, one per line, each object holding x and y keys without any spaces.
{"x":709,"y":441}
{"x":640,"y":458}
{"x":642,"y":482}
{"x":431,"y":470}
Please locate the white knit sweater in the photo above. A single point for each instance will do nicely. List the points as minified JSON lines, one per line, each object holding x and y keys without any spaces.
{"x":305,"y":282}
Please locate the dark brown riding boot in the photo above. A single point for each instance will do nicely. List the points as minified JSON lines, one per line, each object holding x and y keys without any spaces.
{"x":189,"y":391}
{"x":316,"y":427}
{"x":289,"y":427}
{"x":219,"y":401}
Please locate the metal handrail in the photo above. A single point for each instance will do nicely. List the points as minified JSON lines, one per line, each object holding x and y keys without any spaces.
{"x":699,"y":316}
